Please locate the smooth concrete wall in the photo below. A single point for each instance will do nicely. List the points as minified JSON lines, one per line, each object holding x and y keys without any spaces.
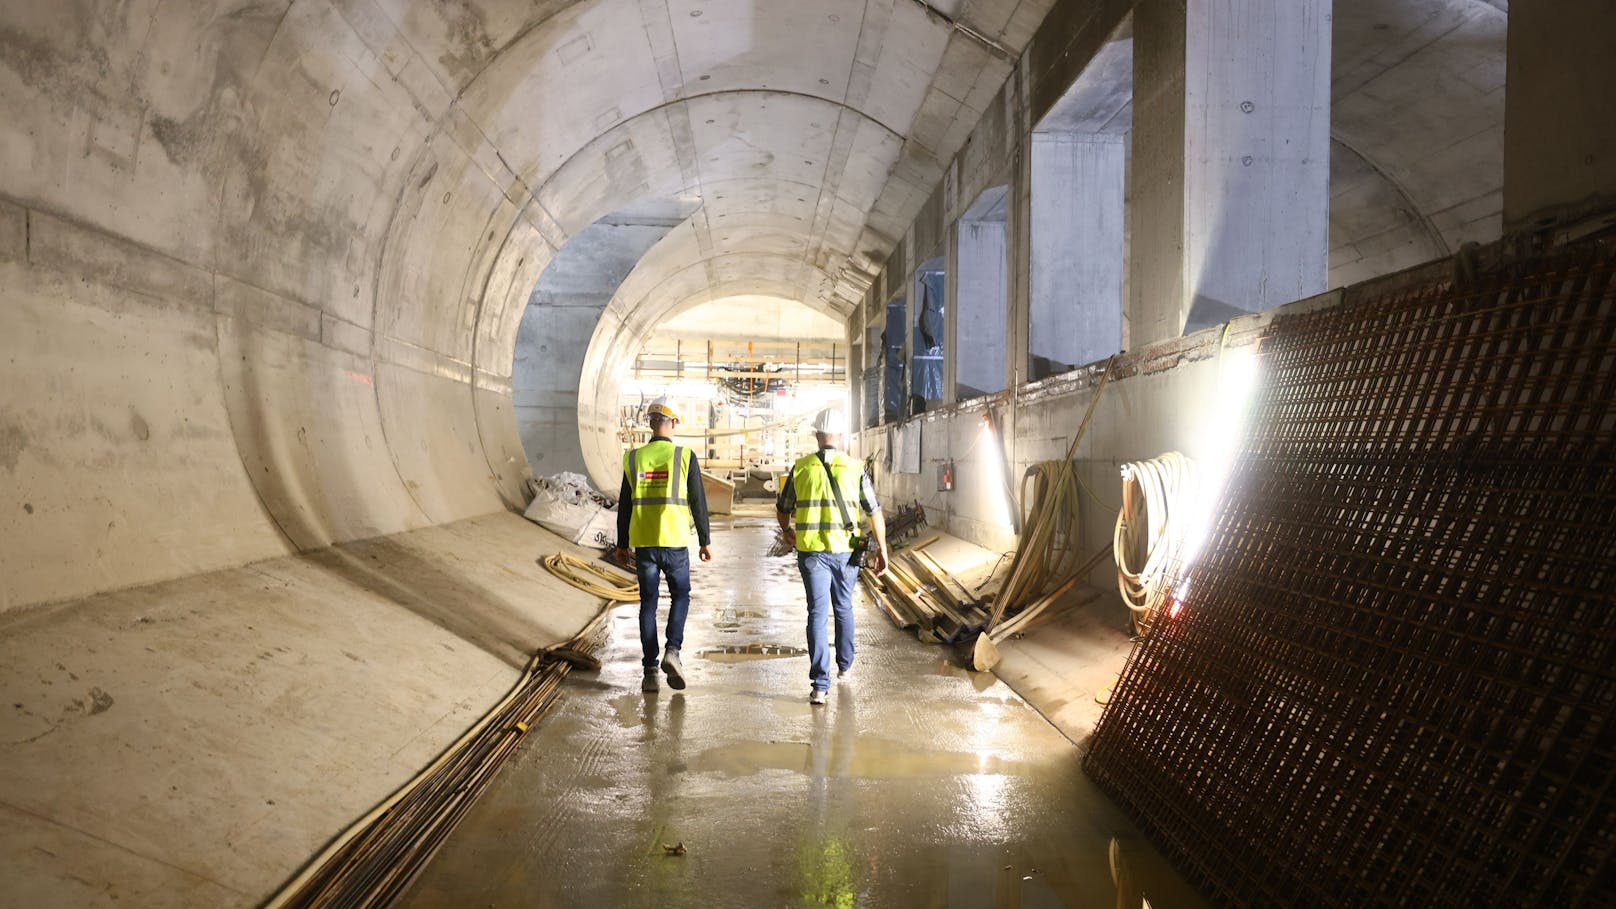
{"x":980,"y":293}
{"x":1077,"y":259}
{"x":220,"y":348}
{"x":1561,"y":138}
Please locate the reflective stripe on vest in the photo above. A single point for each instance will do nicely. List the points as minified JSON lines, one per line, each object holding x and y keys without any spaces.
{"x":659,"y":511}
{"x":818,"y":521}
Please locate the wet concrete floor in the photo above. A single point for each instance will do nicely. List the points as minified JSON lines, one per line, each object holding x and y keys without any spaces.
{"x":920,"y":784}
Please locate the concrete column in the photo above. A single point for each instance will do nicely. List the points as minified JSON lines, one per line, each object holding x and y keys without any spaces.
{"x":1231,"y":155}
{"x":1077,"y":263}
{"x":983,"y":285}
{"x":1559,"y":136}
{"x":1018,"y":230}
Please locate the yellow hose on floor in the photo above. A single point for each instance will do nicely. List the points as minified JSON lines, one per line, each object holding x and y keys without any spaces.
{"x":575,"y":571}
{"x":1158,"y":496}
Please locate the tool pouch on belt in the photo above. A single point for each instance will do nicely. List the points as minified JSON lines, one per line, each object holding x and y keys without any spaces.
{"x":860,"y":554}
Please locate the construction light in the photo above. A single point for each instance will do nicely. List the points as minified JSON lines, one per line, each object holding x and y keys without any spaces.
{"x":1239,"y":372}
{"x":998,"y":475}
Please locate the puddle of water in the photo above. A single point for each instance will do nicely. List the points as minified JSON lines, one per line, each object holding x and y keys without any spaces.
{"x":866,"y":758}
{"x":741,"y":653}
{"x":729,"y":618}
{"x":981,"y":681}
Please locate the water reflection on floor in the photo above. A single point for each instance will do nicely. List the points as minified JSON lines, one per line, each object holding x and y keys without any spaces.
{"x":919,"y":784}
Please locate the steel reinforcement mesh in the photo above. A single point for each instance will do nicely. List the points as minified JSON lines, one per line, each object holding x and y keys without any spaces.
{"x":1392,"y":678}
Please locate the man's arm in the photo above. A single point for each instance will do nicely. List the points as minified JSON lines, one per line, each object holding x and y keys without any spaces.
{"x":625,"y":512}
{"x":878,"y":522}
{"x":696,"y":494}
{"x":783,"y":508}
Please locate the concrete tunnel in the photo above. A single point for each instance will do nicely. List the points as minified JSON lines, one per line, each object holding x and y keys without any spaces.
{"x":300,"y":298}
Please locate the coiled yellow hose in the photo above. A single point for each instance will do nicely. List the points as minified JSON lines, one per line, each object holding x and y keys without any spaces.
{"x":575,"y":571}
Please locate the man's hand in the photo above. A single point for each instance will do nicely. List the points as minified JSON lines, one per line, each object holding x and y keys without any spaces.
{"x":624,"y":556}
{"x":706,"y":553}
{"x":791,"y":537}
{"x":879,"y":561}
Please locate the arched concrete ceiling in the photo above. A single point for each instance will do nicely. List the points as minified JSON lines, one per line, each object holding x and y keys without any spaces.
{"x":749,"y":316}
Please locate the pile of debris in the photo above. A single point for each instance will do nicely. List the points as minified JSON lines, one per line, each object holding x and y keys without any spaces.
{"x":566,"y":505}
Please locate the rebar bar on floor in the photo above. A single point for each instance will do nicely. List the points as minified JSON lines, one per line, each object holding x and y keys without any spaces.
{"x":373,"y":862}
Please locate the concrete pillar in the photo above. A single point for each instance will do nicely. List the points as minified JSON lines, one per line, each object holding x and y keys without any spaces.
{"x":1559,"y":136}
{"x":983,"y":286}
{"x":1231,"y":155}
{"x":1078,"y":180}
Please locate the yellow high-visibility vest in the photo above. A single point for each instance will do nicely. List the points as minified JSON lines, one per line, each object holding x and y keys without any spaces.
{"x":660,"y":512}
{"x":819,"y":522}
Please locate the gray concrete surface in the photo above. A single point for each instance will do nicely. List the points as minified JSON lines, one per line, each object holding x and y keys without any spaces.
{"x":1230,"y":181}
{"x":1561,"y":144}
{"x":1078,"y":182}
{"x":265,"y":263}
{"x":919,"y":785}
{"x":193,"y":742}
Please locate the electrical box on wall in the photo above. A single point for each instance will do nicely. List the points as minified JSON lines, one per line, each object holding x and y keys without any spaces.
{"x":945,"y":476}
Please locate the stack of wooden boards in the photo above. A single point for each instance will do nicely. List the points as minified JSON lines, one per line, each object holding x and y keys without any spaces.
{"x":917,"y":593}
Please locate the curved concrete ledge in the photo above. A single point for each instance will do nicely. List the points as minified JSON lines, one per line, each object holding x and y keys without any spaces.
{"x":193,"y":742}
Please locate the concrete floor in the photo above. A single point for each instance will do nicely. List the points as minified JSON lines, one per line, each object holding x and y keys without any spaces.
{"x":920,"y":784}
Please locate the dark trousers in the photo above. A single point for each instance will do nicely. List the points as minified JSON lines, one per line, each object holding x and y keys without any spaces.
{"x":652,"y":563}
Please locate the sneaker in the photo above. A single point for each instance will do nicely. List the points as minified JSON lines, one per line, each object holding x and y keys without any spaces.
{"x":676,"y":673}
{"x":817,"y":698}
{"x":843,"y":673}
{"x":650,"y":682}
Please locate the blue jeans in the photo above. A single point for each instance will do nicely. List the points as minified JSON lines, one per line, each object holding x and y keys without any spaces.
{"x":651,"y":563}
{"x":828,"y":581}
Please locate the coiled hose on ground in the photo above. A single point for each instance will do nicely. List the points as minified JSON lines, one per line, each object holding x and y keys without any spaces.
{"x":605,"y":584}
{"x":1158,"y":502}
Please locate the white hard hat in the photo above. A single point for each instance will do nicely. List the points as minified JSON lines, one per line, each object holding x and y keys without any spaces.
{"x":831,"y":422}
{"x":661,"y":408}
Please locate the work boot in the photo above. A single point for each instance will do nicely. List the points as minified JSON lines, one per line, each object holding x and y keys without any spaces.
{"x":817,"y":698}
{"x":676,"y":673}
{"x":650,"y":682}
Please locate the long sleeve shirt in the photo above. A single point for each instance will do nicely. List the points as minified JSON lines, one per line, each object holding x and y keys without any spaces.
{"x":695,"y":492}
{"x":787,"y":502}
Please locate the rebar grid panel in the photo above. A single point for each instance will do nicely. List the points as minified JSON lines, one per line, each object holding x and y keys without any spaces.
{"x":1392,"y":677}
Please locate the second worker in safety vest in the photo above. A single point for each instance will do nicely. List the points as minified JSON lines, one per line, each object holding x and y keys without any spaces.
{"x":661,"y":497}
{"x":820,"y":494}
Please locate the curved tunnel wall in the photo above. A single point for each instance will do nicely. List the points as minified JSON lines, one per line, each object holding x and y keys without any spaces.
{"x":265,"y":262}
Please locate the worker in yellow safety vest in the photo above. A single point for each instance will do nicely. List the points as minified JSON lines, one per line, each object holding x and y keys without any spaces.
{"x":818,"y":495}
{"x":660,"y":498}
